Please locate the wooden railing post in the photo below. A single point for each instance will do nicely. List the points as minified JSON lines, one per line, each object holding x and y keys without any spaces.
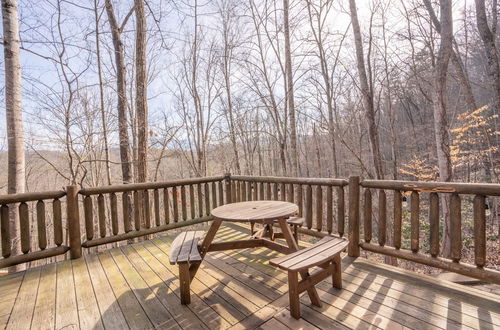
{"x":353,"y":248}
{"x":73,"y":218}
{"x":227,"y":179}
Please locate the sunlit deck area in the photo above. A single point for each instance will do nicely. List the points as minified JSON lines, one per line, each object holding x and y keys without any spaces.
{"x":134,"y":286}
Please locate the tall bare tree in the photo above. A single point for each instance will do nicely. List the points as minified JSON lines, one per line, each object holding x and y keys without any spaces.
{"x":15,"y":131}
{"x":121,"y":89}
{"x":367,"y":93}
{"x":289,"y":89}
{"x":141,"y":85}
{"x":440,"y":105}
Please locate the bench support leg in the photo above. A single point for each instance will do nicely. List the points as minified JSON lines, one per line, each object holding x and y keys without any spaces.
{"x":337,"y":272}
{"x":185,"y":281}
{"x":293,"y":293}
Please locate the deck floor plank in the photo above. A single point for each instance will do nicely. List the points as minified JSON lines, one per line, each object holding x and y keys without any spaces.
{"x":66,"y":305}
{"x":130,"y":306}
{"x":134,"y":286}
{"x":110,"y":312}
{"x":22,"y":311}
{"x":44,"y":314}
{"x":88,"y":310}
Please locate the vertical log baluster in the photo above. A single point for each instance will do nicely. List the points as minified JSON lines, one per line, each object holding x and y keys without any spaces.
{"x":57,"y":214}
{"x":146,"y":208}
{"x":24,"y":219}
{"x":268,"y":191}
{"x":434,"y":223}
{"x":261,"y":191}
{"x":221,"y":193}
{"x":367,"y":215}
{"x":415,"y":220}
{"x":137,"y":210}
{"x":309,"y":206}
{"x":329,"y":209}
{"x":255,"y":196}
{"x":340,"y":211}
{"x":40,"y":220}
{"x":398,"y":219}
{"x":319,"y":207}
{"x":192,"y":202}
{"x":300,"y":197}
{"x":275,"y":191}
{"x":183,"y":203}
{"x":243,"y":191}
{"x":228,"y":191}
{"x":455,"y":227}
{"x":200,"y":200}
{"x":5,"y":232}
{"x":175,"y":204}
{"x":166,"y":205}
{"x":114,"y":213}
{"x":290,"y":193}
{"x":214,"y":195}
{"x":101,"y":212}
{"x":233,"y":192}
{"x":126,"y":211}
{"x":479,"y":230}
{"x":207,"y":198}
{"x":283,"y":192}
{"x":89,"y":217}
{"x":156,"y":201}
{"x":382,"y":217}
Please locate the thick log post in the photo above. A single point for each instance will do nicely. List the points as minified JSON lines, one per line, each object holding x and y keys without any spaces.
{"x":73,"y":217}
{"x":353,"y":248}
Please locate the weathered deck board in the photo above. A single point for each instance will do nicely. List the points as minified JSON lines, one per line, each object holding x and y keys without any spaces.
{"x":136,"y":287}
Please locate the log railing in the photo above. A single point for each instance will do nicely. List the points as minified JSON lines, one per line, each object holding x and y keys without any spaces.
{"x":321,"y":201}
{"x":123,"y":212}
{"x":452,"y":194}
{"x":32,"y":210}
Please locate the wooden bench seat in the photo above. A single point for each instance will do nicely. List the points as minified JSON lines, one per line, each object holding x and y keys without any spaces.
{"x":184,"y":252}
{"x":324,"y":254}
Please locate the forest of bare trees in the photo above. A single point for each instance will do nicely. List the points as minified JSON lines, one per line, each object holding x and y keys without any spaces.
{"x":105,"y":92}
{"x":131,"y":91}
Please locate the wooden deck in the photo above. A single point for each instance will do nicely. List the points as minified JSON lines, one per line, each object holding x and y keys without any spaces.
{"x":135,"y":287}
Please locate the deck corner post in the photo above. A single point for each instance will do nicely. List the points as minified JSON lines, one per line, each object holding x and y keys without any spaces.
{"x":73,"y":218}
{"x":353,"y":248}
{"x":227,"y":179}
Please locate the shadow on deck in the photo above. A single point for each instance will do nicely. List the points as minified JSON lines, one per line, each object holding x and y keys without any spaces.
{"x":134,"y":286}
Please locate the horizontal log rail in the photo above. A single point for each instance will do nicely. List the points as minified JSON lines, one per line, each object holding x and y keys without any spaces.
{"x":146,"y":185}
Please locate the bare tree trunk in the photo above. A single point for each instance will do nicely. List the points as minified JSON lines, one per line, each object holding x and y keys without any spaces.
{"x":15,"y":134}
{"x":490,"y":48}
{"x":141,"y":84}
{"x":226,"y":71}
{"x":101,"y":93}
{"x":289,"y":92}
{"x":121,"y":87}
{"x":367,"y":93}
{"x":440,"y":100}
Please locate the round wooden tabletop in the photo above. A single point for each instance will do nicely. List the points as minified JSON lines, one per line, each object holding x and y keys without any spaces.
{"x":261,"y":211}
